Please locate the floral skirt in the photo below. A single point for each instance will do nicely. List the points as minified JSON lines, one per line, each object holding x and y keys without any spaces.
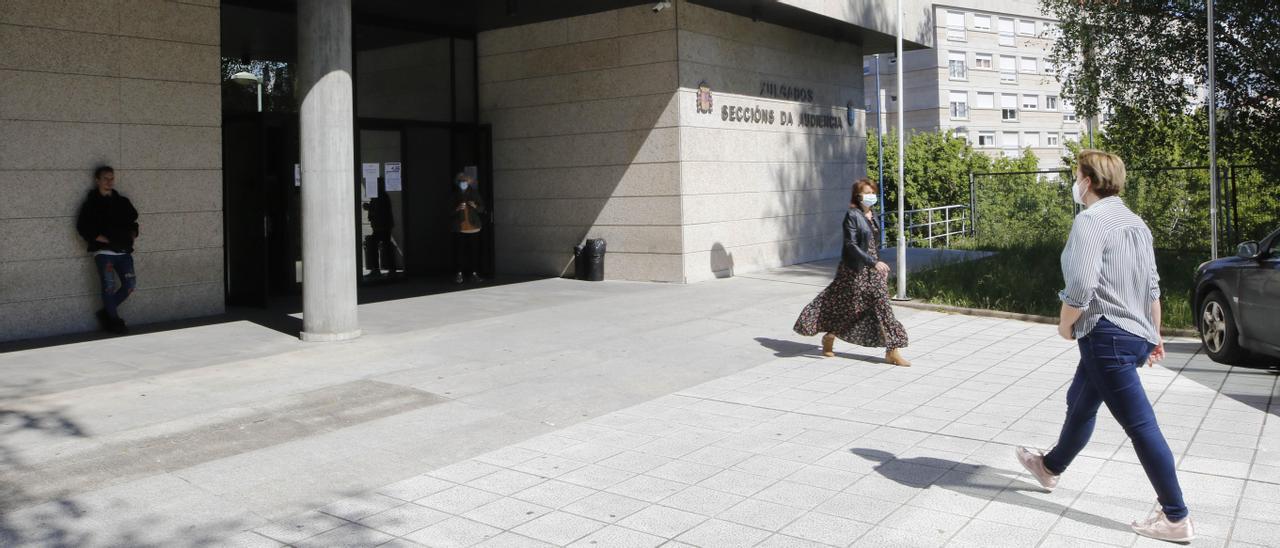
{"x":855,"y":308}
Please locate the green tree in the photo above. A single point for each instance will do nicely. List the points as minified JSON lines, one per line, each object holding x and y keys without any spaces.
{"x":1147,"y":60}
{"x":1168,"y":183}
{"x":1018,"y":207}
{"x":937,"y":168}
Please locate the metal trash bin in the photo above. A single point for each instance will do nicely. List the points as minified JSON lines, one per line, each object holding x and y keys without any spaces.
{"x":588,"y":260}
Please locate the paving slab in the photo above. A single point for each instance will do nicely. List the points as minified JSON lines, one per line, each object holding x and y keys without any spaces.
{"x":564,"y":413}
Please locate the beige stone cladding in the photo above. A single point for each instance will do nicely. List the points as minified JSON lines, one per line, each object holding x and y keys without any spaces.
{"x":769,"y":190}
{"x":585,"y":142}
{"x":133,"y":84}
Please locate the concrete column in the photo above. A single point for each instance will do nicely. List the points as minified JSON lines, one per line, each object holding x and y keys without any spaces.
{"x":328,"y":171}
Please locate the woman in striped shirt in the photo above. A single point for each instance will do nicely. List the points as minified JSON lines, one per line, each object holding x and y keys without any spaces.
{"x":1111,"y":307}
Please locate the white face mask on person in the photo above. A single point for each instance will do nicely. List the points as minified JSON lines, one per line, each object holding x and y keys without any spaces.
{"x":1077,"y":192}
{"x":462,"y":185}
{"x":869,"y":200}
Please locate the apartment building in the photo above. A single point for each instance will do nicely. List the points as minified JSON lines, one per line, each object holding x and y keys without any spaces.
{"x":988,"y":79}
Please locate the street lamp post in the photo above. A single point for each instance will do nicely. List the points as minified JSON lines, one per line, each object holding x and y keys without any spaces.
{"x":880,"y":146}
{"x":250,"y":79}
{"x":902,"y":160}
{"x":1212,"y":101}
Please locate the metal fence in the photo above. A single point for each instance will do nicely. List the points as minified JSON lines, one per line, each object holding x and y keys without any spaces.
{"x":1031,"y":207}
{"x":930,"y":226}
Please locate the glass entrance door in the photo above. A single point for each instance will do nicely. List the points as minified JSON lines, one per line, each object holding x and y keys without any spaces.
{"x":381,"y":216}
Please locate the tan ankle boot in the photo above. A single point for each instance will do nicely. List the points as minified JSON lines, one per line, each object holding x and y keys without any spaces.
{"x":894,"y":357}
{"x":828,"y":341}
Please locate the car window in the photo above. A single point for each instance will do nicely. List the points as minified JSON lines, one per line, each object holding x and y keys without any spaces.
{"x":1274,"y":241}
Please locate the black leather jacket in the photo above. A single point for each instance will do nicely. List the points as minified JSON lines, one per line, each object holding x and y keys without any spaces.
{"x":858,"y":240}
{"x":111,"y":216}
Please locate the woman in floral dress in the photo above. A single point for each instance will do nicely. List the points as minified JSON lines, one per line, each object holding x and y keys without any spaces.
{"x":855,"y":307}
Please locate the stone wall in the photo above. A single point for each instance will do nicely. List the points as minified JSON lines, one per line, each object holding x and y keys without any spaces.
{"x":597,"y":134}
{"x":585,"y":142}
{"x":764,"y":194}
{"x":133,"y":84}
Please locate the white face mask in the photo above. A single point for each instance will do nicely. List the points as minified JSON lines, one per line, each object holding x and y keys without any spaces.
{"x":1077,"y":193}
{"x":869,"y":200}
{"x":462,"y":185}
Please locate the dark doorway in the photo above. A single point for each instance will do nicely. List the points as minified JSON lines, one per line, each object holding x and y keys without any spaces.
{"x":416,"y":125}
{"x":262,"y":221}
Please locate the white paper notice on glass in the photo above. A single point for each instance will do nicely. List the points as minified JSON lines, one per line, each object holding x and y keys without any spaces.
{"x":392,"y":174}
{"x":297,"y":174}
{"x":370,"y":171}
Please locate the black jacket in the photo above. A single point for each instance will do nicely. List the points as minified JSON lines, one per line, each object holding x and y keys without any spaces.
{"x":473,"y":215}
{"x":111,"y":216}
{"x":858,"y":240}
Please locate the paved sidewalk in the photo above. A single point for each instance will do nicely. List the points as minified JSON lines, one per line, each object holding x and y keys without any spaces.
{"x":677,"y":416}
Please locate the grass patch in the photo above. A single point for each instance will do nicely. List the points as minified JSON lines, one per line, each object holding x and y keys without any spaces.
{"x":1026,"y":279}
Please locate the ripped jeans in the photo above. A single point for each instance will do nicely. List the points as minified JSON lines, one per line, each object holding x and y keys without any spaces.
{"x":115,"y":272}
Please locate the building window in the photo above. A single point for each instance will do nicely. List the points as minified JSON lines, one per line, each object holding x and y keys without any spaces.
{"x":986,"y":99}
{"x":956,"y":66}
{"x":1051,"y":140}
{"x":959,"y":105}
{"x":1028,"y":65}
{"x":986,"y":139}
{"x":1050,"y":102}
{"x":955,"y":25}
{"x":1049,"y":67}
{"x":1009,"y":140}
{"x":1030,"y":102}
{"x":982,"y":61}
{"x":1031,"y":139}
{"x":1008,"y":68}
{"x":1071,"y":137}
{"x":1068,"y":117}
{"x":1027,"y":28}
{"x":982,"y":22}
{"x":1006,"y":32}
{"x":1009,"y":107}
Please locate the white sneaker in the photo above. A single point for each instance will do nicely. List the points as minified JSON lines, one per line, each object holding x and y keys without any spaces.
{"x":1160,"y":528}
{"x":1034,"y":463}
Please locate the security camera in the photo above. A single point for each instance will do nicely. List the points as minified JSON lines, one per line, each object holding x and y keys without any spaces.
{"x":664,"y":4}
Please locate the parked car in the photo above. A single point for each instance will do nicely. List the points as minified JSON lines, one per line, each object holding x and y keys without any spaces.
{"x":1237,"y":302}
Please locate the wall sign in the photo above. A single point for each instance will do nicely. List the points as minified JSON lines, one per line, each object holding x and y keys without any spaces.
{"x":767,"y":115}
{"x":392,"y":177}
{"x":783,"y":91}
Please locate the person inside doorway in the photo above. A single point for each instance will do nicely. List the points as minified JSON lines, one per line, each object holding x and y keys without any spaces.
{"x":467,"y":208}
{"x":380,"y":249}
{"x":109,"y":224}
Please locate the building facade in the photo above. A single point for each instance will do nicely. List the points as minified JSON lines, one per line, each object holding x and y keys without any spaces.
{"x":987,"y":79}
{"x":698,"y":137}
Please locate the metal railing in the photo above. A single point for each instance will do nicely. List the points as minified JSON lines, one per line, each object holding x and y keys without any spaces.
{"x":939,"y":224}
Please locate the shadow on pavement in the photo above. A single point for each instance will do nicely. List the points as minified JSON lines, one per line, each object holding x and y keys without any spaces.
{"x":282,"y":314}
{"x":61,"y":518}
{"x":973,"y":480}
{"x":790,"y":349}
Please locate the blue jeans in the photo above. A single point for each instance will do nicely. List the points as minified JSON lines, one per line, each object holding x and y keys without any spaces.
{"x":115,"y":272}
{"x":1108,"y":373}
